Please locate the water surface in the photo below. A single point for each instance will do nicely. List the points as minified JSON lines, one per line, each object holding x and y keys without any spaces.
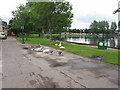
{"x":111,"y":41}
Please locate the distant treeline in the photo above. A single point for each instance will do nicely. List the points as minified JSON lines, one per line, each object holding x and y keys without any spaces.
{"x":98,"y":27}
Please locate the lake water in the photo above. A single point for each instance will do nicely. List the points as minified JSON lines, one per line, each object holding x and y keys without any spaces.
{"x":112,"y":41}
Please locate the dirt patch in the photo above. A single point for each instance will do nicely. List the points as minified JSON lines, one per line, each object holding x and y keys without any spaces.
{"x":40,"y":81}
{"x":25,"y":48}
{"x":80,"y":64}
{"x":54,"y":62}
{"x":58,"y":64}
{"x":103,"y":76}
{"x":48,"y":82}
{"x":100,"y":58}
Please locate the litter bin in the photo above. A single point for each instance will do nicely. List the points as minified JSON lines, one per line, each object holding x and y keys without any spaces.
{"x":102,"y":45}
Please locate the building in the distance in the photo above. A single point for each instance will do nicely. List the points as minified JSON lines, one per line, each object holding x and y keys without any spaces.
{"x":3,"y":26}
{"x":0,"y":25}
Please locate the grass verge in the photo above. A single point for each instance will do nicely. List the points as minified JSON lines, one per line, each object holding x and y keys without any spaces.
{"x":110,"y":56}
{"x":68,"y":34}
{"x":63,"y":34}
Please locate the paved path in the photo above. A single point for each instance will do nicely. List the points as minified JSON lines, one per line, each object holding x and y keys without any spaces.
{"x":26,"y":69}
{"x":0,"y":64}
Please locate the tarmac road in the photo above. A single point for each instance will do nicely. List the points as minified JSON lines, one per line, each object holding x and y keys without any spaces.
{"x":0,"y":64}
{"x":24,"y":69}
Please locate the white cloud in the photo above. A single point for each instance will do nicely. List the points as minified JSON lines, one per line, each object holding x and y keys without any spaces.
{"x":83,"y":7}
{"x":7,"y":6}
{"x":79,"y":25}
{"x":95,"y":16}
{"x":85,"y":11}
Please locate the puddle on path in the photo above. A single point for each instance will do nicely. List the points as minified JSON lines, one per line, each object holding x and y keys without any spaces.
{"x":78,"y":64}
{"x":117,"y":68}
{"x":57,"y":64}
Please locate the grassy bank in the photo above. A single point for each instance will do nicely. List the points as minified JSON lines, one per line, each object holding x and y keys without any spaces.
{"x":67,"y":34}
{"x":62,"y":34}
{"x":110,"y":56}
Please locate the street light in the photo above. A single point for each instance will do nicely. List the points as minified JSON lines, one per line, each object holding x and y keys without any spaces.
{"x":118,"y":10}
{"x":22,"y":27}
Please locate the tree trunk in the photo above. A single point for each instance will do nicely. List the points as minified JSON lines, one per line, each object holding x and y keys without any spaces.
{"x":50,"y":37}
{"x":39,"y":35}
{"x":42,"y":34}
{"x":60,"y":37}
{"x":26,"y":36}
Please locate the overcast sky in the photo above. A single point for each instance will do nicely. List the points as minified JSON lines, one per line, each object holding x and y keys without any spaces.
{"x":85,"y":11}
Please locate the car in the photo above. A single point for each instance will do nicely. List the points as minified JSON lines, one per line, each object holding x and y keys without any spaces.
{"x":3,"y":36}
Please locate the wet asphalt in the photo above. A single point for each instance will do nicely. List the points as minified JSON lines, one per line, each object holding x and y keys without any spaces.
{"x":25,"y":68}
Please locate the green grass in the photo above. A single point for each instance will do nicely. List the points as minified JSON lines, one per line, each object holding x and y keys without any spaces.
{"x":61,"y":34}
{"x":67,"y":34}
{"x":110,"y":56}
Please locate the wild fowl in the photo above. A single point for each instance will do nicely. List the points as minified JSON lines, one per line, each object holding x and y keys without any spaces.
{"x":46,"y":51}
{"x":60,"y":53}
{"x":62,"y":47}
{"x":60,"y":44}
{"x":39,"y":49}
{"x":56,"y":44}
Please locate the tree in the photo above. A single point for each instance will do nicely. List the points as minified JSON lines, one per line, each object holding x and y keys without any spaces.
{"x":103,"y":26}
{"x":47,"y":17}
{"x":52,"y":17}
{"x":100,"y":27}
{"x":113,"y":26}
{"x":94,"y":27}
{"x":20,"y":18}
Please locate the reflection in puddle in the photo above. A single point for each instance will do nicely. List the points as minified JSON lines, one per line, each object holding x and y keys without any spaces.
{"x":77,"y":64}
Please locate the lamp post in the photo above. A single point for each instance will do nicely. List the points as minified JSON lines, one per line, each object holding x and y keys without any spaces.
{"x":22,"y":27}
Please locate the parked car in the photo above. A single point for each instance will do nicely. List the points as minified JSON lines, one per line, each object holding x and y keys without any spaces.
{"x":3,"y":36}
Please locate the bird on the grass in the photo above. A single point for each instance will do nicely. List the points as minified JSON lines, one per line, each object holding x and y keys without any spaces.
{"x":56,"y":44}
{"x":62,"y":47}
{"x":60,"y":44}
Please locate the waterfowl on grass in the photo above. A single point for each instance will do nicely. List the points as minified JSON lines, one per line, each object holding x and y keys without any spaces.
{"x":62,"y":47}
{"x":60,"y":44}
{"x":56,"y":44}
